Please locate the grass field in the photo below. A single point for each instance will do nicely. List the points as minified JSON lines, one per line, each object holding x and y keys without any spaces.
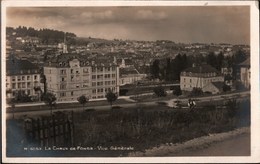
{"x":144,"y":127}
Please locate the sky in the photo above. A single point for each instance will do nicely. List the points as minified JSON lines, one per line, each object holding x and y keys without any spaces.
{"x":185,"y":24}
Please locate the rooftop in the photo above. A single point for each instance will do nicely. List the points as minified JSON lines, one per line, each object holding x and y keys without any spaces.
{"x":245,"y":63}
{"x":204,"y":68}
{"x":15,"y":66}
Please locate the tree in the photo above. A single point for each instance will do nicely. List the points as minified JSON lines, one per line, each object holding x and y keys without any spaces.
{"x":159,"y":91}
{"x":154,"y":69}
{"x":196,"y":92}
{"x":111,"y":97}
{"x":226,"y":88}
{"x":12,"y":104}
{"x":177,"y":91}
{"x":83,"y":100}
{"x":39,"y":91}
{"x":50,"y":100}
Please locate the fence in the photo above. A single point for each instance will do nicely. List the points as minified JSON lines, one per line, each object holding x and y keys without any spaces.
{"x":57,"y":130}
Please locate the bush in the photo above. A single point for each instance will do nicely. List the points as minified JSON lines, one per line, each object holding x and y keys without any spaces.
{"x":159,"y":91}
{"x":177,"y":91}
{"x":196,"y":92}
{"x":226,"y":88}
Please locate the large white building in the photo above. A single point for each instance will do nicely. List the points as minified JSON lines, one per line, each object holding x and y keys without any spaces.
{"x":22,"y":76}
{"x":205,"y":77}
{"x":245,"y":73}
{"x":69,"y":76}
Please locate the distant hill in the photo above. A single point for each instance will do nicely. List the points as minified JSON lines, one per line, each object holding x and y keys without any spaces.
{"x":48,"y":36}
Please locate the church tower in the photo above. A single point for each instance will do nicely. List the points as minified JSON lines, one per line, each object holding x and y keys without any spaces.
{"x":65,"y":48}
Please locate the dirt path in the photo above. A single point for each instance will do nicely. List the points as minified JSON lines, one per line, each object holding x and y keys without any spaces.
{"x":233,"y":143}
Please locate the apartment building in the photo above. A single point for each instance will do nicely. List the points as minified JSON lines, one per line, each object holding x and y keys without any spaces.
{"x":245,"y":72}
{"x":204,"y":76}
{"x":69,"y":76}
{"x":22,"y":76}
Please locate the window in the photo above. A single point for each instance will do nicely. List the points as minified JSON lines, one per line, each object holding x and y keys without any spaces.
{"x":99,"y":83}
{"x":19,"y":85}
{"x":62,"y":86}
{"x":93,"y":83}
{"x":77,"y":72}
{"x":13,"y":86}
{"x":190,"y":80}
{"x":77,"y":86}
{"x":13,"y":78}
{"x":28,"y":92}
{"x":72,"y":93}
{"x":85,"y":70}
{"x":23,"y":78}
{"x":72,"y":78}
{"x":113,"y":68}
{"x":62,"y":79}
{"x":28,"y":85}
{"x":94,"y":91}
{"x":35,"y":77}
{"x":184,"y":79}
{"x":113,"y":75}
{"x":71,"y":71}
{"x":62,"y":71}
{"x":93,"y":76}
{"x":28,"y":77}
{"x":62,"y":94}
{"x":18,"y":78}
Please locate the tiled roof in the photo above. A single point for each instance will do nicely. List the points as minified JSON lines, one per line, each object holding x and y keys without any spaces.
{"x":63,"y":60}
{"x":245,"y":63}
{"x":15,"y":67}
{"x":218,"y":84}
{"x":128,"y":71}
{"x":201,"y":69}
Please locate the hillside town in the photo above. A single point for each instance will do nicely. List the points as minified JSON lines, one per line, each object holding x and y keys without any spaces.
{"x":75,"y":96}
{"x":70,"y":68}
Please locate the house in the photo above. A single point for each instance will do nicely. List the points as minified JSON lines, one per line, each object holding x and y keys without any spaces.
{"x":69,"y":76}
{"x":203,"y":76}
{"x":22,"y":76}
{"x":129,"y":76}
{"x":245,"y":72}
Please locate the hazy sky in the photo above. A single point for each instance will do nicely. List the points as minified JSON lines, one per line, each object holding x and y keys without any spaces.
{"x":180,"y":24}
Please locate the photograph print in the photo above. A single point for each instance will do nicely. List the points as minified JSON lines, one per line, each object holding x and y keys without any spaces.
{"x":127,"y":81}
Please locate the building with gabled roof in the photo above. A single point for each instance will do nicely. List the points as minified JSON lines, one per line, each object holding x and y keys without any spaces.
{"x":130,"y":75}
{"x":22,"y":76}
{"x":69,"y":76}
{"x":203,"y":76}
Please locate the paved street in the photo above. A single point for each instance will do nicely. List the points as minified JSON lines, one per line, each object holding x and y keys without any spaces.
{"x":45,"y":111}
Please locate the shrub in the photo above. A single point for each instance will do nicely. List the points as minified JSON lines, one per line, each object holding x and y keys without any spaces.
{"x":196,"y":92}
{"x":159,"y":91}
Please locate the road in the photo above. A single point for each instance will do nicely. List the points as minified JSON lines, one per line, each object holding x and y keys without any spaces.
{"x":126,"y":105}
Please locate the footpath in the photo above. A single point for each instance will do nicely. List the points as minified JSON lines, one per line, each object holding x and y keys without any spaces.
{"x":232,"y":143}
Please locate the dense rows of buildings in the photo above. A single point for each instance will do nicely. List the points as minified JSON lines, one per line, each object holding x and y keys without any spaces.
{"x":92,"y":70}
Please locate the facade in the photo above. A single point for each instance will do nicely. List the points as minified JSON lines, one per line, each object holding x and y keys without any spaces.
{"x":203,"y":77}
{"x":23,"y":76}
{"x":69,"y":76}
{"x":245,"y":73}
{"x":129,"y":76}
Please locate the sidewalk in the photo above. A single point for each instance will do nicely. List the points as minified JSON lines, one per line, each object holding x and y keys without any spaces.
{"x":219,"y":144}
